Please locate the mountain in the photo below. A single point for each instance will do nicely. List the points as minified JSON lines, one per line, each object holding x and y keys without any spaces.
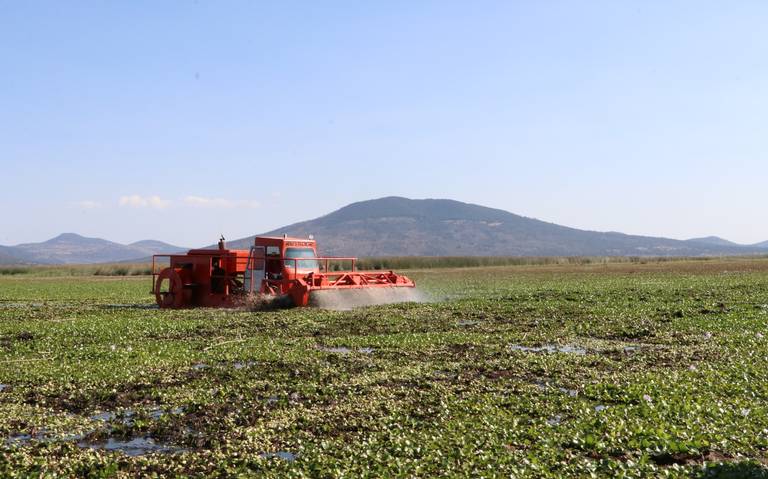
{"x":150,"y":247}
{"x":713,"y":240}
{"x":395,"y":226}
{"x":9,"y":255}
{"x":70,"y":248}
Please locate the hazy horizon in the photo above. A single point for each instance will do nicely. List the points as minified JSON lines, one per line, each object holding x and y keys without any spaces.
{"x":213,"y":239}
{"x":181,"y":121}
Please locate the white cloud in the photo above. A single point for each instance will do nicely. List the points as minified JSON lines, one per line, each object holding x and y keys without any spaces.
{"x":205,"y":202}
{"x":87,"y":204}
{"x":137,"y":201}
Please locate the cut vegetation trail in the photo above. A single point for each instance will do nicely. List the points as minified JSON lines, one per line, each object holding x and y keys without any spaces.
{"x":524,"y":371}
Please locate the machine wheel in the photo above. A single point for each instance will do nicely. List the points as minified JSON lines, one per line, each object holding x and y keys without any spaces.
{"x":173,"y":298}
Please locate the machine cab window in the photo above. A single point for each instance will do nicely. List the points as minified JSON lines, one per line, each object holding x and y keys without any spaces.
{"x":274,"y":269}
{"x":293,"y":259}
{"x":218,"y":276}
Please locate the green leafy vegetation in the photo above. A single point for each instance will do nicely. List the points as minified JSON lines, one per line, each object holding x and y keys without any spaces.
{"x":606,"y":370}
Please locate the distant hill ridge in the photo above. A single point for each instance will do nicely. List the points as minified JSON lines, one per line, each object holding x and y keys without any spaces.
{"x":71,"y":248}
{"x":396,"y":226}
{"x":715,"y":240}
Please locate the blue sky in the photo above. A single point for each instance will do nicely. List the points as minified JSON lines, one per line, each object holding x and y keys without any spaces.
{"x":182,"y":120}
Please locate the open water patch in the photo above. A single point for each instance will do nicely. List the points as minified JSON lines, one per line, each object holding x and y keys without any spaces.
{"x":343,"y":349}
{"x":571,"y":392}
{"x":550,"y":348}
{"x":127,"y":416}
{"x":107,"y":416}
{"x":22,"y":439}
{"x":137,"y":446}
{"x":467,"y":322}
{"x":555,"y":420}
{"x":288,"y":456}
{"x":42,"y":435}
{"x":546,"y":384}
{"x":243,"y":364}
{"x":542,"y":384}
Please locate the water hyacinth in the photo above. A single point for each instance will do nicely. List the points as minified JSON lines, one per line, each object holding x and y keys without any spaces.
{"x":520,"y":371}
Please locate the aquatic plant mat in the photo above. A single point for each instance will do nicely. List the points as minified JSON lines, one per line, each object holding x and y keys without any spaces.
{"x":522,"y":371}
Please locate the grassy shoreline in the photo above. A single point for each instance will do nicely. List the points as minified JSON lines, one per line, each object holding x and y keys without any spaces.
{"x":395,"y":263}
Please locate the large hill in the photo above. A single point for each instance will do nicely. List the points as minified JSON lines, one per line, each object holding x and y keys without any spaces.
{"x":395,"y":226}
{"x":9,"y":255}
{"x":714,"y":240}
{"x":70,"y":248}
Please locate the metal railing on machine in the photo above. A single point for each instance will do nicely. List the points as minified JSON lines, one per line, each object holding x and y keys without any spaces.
{"x":228,"y":262}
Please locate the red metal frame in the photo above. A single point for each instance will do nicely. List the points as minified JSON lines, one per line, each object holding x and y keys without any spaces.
{"x":192,"y":281}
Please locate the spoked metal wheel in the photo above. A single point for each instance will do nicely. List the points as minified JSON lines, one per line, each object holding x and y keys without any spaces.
{"x":169,"y":296}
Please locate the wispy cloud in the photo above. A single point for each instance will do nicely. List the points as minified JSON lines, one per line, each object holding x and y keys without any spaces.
{"x":138,"y":201}
{"x":87,"y":204}
{"x":205,"y":202}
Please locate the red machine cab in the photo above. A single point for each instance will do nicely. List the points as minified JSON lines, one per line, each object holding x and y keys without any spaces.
{"x":276,"y":266}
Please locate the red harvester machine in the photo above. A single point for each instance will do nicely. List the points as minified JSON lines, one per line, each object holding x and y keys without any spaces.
{"x":276,"y":266}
